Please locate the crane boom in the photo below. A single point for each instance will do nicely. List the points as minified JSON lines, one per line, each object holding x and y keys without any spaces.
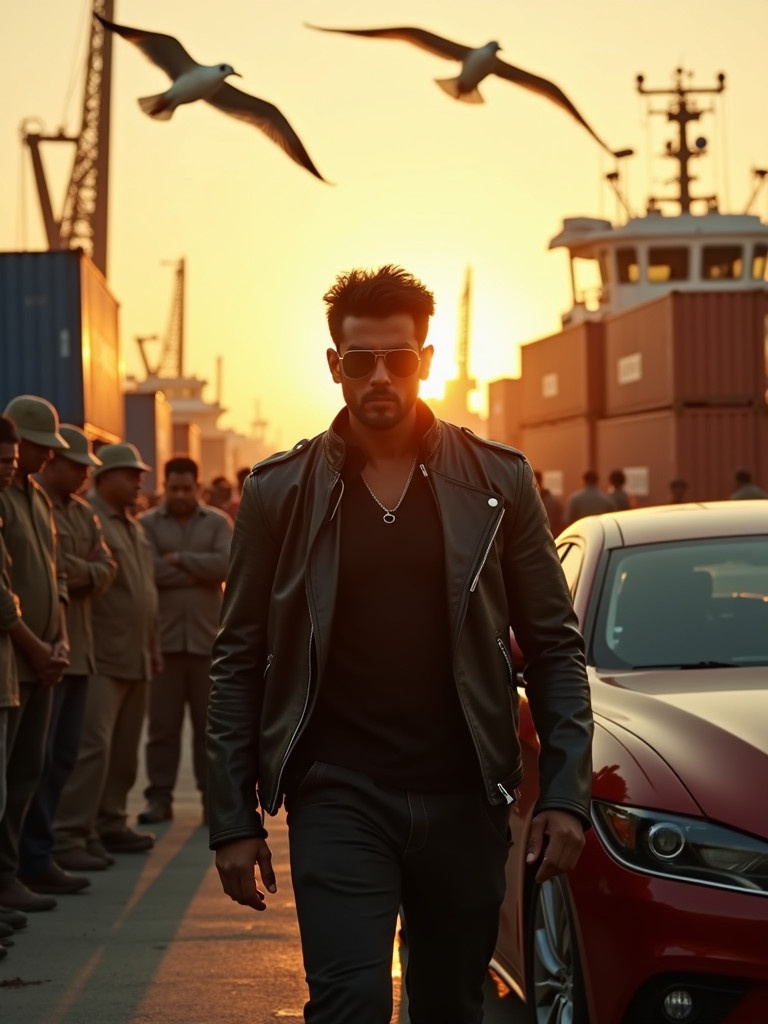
{"x":83,"y":222}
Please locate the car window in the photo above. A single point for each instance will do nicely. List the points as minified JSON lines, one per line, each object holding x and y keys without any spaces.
{"x":685,"y":603}
{"x":571,"y":557}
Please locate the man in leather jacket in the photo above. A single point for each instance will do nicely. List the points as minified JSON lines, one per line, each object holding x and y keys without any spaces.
{"x":363,"y":675}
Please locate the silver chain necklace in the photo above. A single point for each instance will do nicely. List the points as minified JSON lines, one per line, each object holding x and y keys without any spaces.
{"x":389,"y":513}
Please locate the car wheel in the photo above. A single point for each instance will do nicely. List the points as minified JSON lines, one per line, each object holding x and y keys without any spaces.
{"x":554,"y":980}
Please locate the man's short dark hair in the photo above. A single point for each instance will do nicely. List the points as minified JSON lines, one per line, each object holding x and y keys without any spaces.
{"x":181,"y":464}
{"x":378,"y":293}
{"x":617,"y":478}
{"x":590,"y":477}
{"x":742,"y":476}
{"x":8,"y":432}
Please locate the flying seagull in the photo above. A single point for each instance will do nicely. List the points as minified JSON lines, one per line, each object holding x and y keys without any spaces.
{"x":193,"y":81}
{"x":476,"y":64}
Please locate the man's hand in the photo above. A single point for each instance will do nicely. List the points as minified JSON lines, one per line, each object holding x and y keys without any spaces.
{"x":49,"y":664}
{"x":236,"y":863}
{"x":560,"y":835}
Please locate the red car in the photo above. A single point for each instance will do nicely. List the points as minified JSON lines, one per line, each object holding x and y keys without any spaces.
{"x":665,"y":917}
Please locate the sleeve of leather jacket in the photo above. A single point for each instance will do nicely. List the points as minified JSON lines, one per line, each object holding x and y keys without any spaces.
{"x":545,"y":626}
{"x":237,"y":671}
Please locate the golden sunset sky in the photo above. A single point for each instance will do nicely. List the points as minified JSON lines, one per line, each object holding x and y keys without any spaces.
{"x":419,"y":179}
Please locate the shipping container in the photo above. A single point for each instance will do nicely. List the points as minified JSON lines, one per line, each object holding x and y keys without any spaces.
{"x":149,"y":426}
{"x":563,"y":375}
{"x":59,"y":339}
{"x":562,"y":452}
{"x":504,"y":411}
{"x":687,"y":348}
{"x":186,"y":441}
{"x":702,"y":446}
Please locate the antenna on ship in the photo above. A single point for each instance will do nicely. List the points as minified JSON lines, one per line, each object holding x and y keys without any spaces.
{"x":682,"y":111}
{"x":760,"y":175}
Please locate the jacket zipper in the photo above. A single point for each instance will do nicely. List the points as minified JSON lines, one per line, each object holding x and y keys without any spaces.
{"x":303,"y":715}
{"x":509,"y":797}
{"x":297,"y":730}
{"x":487,"y":552}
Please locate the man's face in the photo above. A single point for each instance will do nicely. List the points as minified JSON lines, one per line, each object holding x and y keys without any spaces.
{"x":121,"y":487}
{"x":9,"y":460}
{"x":379,"y":399}
{"x":32,"y":457}
{"x":70,"y":475}
{"x":181,"y":494}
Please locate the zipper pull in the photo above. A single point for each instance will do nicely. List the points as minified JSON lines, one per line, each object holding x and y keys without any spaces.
{"x":510,"y":798}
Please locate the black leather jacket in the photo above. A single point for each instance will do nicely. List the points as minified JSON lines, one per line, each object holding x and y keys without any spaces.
{"x":501,"y":570}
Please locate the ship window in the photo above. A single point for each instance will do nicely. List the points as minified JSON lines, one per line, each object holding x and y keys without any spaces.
{"x":627,"y":268}
{"x":721,"y":262}
{"x":586,"y":282}
{"x":668,"y":263}
{"x":759,"y":262}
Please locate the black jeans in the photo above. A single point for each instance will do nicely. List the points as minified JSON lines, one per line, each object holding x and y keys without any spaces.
{"x":358,"y":851}
{"x":61,"y":749}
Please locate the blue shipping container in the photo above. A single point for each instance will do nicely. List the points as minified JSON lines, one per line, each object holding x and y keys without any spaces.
{"x":59,"y":339}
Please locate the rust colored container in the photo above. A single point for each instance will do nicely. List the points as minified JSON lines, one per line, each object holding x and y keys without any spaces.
{"x":563,"y":375}
{"x":702,"y":446}
{"x":561,"y":451}
{"x":687,"y":348}
{"x":504,"y":411}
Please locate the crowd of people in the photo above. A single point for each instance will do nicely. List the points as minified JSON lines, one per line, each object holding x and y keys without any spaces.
{"x":107,"y":620}
{"x":590,"y":500}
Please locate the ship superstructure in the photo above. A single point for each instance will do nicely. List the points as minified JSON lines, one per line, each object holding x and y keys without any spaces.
{"x":660,"y":368}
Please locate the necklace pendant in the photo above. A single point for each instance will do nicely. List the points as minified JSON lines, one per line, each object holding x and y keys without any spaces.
{"x":388,"y":518}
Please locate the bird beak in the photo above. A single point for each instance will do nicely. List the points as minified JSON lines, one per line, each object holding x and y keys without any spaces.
{"x":237,"y":73}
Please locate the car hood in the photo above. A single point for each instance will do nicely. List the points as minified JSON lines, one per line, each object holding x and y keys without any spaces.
{"x":709,"y":725}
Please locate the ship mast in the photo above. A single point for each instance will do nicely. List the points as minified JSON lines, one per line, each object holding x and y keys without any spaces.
{"x":682,"y":110}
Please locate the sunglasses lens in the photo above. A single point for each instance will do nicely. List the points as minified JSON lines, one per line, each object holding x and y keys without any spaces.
{"x":358,"y":363}
{"x":402,"y":362}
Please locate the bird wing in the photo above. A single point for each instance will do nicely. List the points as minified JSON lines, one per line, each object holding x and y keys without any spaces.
{"x":418,"y":36}
{"x":165,"y":51}
{"x":268,"y":118}
{"x":543,"y":87}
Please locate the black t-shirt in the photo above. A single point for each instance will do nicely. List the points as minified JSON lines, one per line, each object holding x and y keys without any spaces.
{"x":387,"y":703}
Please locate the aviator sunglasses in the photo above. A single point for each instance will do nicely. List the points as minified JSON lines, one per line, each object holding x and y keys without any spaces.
{"x":360,"y":362}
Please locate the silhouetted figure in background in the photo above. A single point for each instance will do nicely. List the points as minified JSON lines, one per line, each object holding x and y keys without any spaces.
{"x":590,"y":501}
{"x":678,"y":488}
{"x":221,"y":496}
{"x":552,"y":504}
{"x":745,"y":487}
{"x":621,"y":500}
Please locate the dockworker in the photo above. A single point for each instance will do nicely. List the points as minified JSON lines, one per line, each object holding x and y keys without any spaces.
{"x":91,"y":823}
{"x":190,"y":542}
{"x":746,"y":488}
{"x":42,"y":648}
{"x":552,"y":504}
{"x":10,"y":621}
{"x":90,"y":570}
{"x":590,"y":501}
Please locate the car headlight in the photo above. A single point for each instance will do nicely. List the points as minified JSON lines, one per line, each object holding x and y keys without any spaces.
{"x":688,"y":849}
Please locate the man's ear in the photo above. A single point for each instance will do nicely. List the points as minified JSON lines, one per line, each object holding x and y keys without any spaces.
{"x":426,"y":361}
{"x":334,"y":364}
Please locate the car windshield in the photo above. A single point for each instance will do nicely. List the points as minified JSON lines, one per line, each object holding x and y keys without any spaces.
{"x":694,"y":603}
